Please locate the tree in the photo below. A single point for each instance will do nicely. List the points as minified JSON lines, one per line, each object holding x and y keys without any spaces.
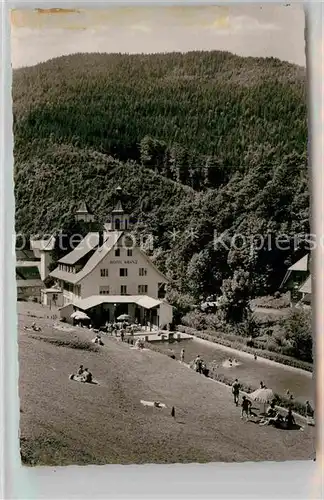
{"x":234,"y":301}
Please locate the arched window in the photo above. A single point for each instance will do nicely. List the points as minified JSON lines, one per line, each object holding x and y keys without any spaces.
{"x":117,"y":224}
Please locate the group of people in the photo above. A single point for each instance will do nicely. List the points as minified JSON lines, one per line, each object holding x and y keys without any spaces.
{"x":97,"y":340}
{"x":200,"y":366}
{"x":121,"y":328}
{"x":83,"y":375}
{"x":272,"y":415}
{"x":232,"y":362}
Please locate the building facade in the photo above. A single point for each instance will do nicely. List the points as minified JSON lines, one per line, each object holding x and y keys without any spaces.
{"x":111,"y":263}
{"x":297,"y":281}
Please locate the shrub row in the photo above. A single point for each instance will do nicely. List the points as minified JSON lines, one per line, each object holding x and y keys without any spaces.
{"x":239,"y":343}
{"x":269,"y":302}
{"x":83,"y":345}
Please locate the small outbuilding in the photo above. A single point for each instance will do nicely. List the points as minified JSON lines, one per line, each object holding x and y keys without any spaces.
{"x":52,"y":297}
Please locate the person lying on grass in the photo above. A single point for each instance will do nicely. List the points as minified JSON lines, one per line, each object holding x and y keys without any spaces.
{"x":86,"y":376}
{"x":83,"y":375}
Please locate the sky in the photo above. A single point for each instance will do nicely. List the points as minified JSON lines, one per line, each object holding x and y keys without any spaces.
{"x":248,"y":30}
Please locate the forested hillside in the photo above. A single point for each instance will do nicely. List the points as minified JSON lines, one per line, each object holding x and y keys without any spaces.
{"x":200,"y":142}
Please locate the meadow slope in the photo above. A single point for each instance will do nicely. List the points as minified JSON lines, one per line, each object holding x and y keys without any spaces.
{"x":64,"y":422}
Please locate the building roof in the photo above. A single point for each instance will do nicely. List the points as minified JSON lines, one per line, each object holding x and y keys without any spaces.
{"x":301,"y":265}
{"x":28,"y":270}
{"x":92,"y":263}
{"x":25,"y":255}
{"x":28,"y":263}
{"x":96,"y":300}
{"x":118,"y":208}
{"x":89,"y":243}
{"x":43,"y":244}
{"x":29,"y":283}
{"x":110,"y":239}
{"x":306,"y":286}
{"x":83,"y":209}
{"x":52,"y":290}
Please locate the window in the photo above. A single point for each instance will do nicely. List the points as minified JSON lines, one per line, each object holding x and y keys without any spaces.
{"x":123,"y":290}
{"x":161,"y":290}
{"x":104,"y":273}
{"x":117,"y":252}
{"x":123,"y":271}
{"x":104,"y":290}
{"x":117,"y":224}
{"x":142,"y":271}
{"x":129,"y":253}
{"x":142,"y":289}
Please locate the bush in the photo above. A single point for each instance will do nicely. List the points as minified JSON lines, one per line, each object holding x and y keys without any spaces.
{"x":276,"y":302}
{"x":83,"y":345}
{"x":298,"y":330}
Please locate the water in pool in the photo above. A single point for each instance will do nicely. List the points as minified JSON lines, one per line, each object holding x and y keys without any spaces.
{"x":250,"y":371}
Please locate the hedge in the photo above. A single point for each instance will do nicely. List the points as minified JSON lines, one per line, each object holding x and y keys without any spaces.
{"x":239,"y":343}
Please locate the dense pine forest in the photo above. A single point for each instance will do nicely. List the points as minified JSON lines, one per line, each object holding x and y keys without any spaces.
{"x":201,"y":142}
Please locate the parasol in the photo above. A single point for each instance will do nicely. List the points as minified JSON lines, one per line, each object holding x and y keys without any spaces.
{"x":124,"y":317}
{"x":264,"y":396}
{"x":79,"y":315}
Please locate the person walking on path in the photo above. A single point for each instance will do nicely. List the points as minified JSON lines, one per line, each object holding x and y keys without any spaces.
{"x":236,"y":391}
{"x":198,"y":364}
{"x":246,"y":407}
{"x":182,"y":353}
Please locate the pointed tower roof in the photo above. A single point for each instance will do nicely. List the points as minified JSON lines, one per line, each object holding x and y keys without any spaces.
{"x":83,"y":209}
{"x":118,"y":208}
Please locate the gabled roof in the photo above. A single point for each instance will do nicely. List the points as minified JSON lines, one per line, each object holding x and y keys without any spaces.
{"x":92,"y":263}
{"x":301,"y":265}
{"x":89,"y":243}
{"x":153,"y":265}
{"x":306,"y":286}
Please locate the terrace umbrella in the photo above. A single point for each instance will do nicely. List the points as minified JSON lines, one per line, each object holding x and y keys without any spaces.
{"x":124,"y":317}
{"x":79,"y":315}
{"x":264,"y":396}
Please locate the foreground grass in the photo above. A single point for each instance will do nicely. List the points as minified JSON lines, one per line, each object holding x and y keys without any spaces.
{"x":64,"y":422}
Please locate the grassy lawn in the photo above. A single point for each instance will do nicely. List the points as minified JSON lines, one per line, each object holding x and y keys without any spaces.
{"x":65,"y":422}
